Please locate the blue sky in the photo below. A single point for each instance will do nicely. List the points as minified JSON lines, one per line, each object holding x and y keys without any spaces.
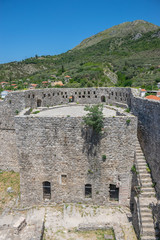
{"x":49,"y":27}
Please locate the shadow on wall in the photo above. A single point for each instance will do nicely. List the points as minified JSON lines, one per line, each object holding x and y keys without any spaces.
{"x":92,"y":140}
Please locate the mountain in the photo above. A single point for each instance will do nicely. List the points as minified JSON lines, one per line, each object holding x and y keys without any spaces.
{"x":135,"y":28}
{"x":125,"y":55}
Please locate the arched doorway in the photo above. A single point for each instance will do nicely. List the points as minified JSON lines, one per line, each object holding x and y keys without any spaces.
{"x":103,"y":99}
{"x":71,"y":99}
{"x":46,"y":190}
{"x":39,"y":102}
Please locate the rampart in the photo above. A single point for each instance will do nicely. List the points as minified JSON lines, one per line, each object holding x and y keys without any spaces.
{"x":70,"y":156}
{"x":147,"y":111}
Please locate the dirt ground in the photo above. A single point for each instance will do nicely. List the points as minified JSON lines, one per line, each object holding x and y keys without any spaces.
{"x":61,"y":222}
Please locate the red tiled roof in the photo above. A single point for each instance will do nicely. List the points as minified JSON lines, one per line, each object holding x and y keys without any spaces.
{"x":67,"y":76}
{"x":34,"y":85}
{"x":13,"y":84}
{"x":58,"y":83}
{"x":45,"y":82}
{"x":152,"y":97}
{"x":143,"y":90}
{"x":3,"y":82}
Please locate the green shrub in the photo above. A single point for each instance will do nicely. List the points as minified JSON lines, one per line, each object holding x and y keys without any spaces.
{"x":103,"y":158}
{"x":128,"y":121}
{"x":127,"y":110}
{"x":133,"y":169}
{"x":36,"y":112}
{"x":90,"y":171}
{"x":94,"y":117}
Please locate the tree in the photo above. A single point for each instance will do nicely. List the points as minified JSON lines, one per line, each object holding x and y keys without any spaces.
{"x":94,"y":117}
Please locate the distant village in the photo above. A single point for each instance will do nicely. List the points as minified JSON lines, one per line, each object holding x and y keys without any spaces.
{"x":6,"y":86}
{"x":148,"y":94}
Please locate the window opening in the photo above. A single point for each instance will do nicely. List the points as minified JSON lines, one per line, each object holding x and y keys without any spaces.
{"x":39,"y":103}
{"x":46,"y":190}
{"x":64,"y":179}
{"x":88,"y":191}
{"x":114,"y":192}
{"x":71,"y":99}
{"x":103,"y":99}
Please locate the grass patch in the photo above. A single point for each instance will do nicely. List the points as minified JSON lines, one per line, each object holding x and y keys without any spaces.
{"x":8,"y":179}
{"x":35,"y":112}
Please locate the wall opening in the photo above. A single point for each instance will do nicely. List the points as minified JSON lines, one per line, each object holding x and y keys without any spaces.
{"x":46,"y":190}
{"x":39,"y":102}
{"x":88,"y":191}
{"x":103,"y":99}
{"x":64,"y":179}
{"x":71,"y":99}
{"x":114,"y":192}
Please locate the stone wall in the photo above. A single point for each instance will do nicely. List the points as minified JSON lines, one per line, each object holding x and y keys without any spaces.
{"x":148,"y":113}
{"x":65,"y":147}
{"x":8,"y":151}
{"x":15,"y":102}
{"x":54,"y":96}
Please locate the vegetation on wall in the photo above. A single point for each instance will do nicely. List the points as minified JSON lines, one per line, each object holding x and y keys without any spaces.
{"x":94,"y":117}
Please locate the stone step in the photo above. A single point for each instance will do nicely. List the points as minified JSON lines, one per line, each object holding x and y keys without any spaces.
{"x":145,"y":210}
{"x":147,"y":185}
{"x":142,"y":165}
{"x":138,"y":150}
{"x":148,"y":220}
{"x":143,"y":170}
{"x":139,"y":153}
{"x":147,"y":189}
{"x":145,"y":175}
{"x":148,"y":194}
{"x":138,"y":146}
{"x":145,"y":180}
{"x":148,"y":238}
{"x":140,"y":159}
{"x":146,"y":214}
{"x":148,"y":232}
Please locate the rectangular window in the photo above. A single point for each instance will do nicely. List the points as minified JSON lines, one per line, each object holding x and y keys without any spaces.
{"x":63,"y":179}
{"x":88,"y":191}
{"x":114,"y":192}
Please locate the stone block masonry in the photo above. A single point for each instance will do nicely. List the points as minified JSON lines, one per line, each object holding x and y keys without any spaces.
{"x":65,"y":154}
{"x":17,"y":101}
{"x":8,"y":151}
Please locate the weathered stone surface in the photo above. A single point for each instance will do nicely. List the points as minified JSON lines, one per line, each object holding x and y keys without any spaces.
{"x":19,"y":225}
{"x":51,"y":147}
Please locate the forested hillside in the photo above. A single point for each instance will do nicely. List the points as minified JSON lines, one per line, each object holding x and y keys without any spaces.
{"x":124,"y":55}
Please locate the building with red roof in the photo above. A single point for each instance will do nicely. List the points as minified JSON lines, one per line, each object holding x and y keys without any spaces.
{"x":153,"y":97}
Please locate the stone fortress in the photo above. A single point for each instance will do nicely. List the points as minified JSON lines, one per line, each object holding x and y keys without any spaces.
{"x":43,"y":137}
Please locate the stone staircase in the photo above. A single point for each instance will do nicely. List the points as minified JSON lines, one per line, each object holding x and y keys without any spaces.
{"x":146,"y":196}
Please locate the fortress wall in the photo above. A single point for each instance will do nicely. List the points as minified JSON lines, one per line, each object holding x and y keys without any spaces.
{"x":148,"y":113}
{"x":12,"y":104}
{"x":54,"y":96}
{"x":19,"y":100}
{"x":64,"y":147}
{"x":8,"y":151}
